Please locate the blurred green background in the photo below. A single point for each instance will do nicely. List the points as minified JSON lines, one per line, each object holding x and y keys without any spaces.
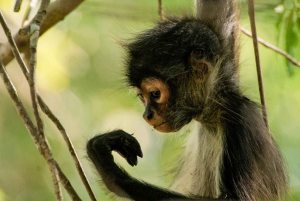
{"x":80,"y":77}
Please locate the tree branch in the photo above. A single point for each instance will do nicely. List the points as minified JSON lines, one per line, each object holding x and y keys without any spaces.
{"x":17,"y":5}
{"x":272,"y":47}
{"x":40,"y":139}
{"x":42,"y":145}
{"x":33,"y":31}
{"x":49,"y":113}
{"x":56,"y":12}
{"x":160,"y":10}
{"x":251,"y":14}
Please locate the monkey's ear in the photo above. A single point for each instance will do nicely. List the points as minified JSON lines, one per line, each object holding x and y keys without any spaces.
{"x":199,"y":64}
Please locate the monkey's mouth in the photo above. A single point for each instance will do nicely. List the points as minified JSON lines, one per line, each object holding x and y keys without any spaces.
{"x":159,"y":124}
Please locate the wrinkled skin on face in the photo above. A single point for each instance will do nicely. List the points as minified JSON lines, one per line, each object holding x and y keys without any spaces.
{"x":154,"y":95}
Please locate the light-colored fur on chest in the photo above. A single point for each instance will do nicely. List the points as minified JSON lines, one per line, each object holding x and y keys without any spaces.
{"x":201,"y":162}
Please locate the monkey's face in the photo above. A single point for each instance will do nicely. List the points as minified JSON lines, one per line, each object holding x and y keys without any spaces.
{"x":154,"y":95}
{"x":169,"y":110}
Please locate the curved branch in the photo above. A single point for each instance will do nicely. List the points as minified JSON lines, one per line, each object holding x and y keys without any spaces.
{"x":272,"y":47}
{"x":56,"y":12}
{"x":42,"y":144}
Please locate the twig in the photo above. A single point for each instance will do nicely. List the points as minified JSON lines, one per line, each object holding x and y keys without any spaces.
{"x":67,"y":185}
{"x":272,"y":47}
{"x":49,"y":113}
{"x":19,"y":105}
{"x":33,"y":28}
{"x":17,"y":5}
{"x":33,"y":132}
{"x":56,"y":12}
{"x":14,"y":47}
{"x":160,"y":10}
{"x":38,"y":136}
{"x":251,"y":14}
{"x":33,"y":31}
{"x":30,"y":6}
{"x":45,"y":149}
{"x":63,"y":132}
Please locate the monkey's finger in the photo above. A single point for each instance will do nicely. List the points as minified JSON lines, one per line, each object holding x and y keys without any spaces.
{"x":125,"y":145}
{"x":138,"y":151}
{"x":130,"y":157}
{"x":132,"y":160}
{"x":132,"y":154}
{"x":132,"y":145}
{"x":125,"y":153}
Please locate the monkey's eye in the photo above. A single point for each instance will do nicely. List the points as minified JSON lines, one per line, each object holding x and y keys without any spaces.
{"x":198,"y":52}
{"x":155,"y":94}
{"x":141,"y":97}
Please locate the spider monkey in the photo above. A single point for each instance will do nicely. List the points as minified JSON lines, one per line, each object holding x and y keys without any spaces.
{"x":184,"y":69}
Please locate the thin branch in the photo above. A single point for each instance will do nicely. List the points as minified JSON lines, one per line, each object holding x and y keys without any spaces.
{"x":33,"y":45}
{"x":33,"y":132}
{"x":19,"y":105}
{"x":30,"y":6}
{"x":40,"y":142}
{"x":251,"y":14}
{"x":33,"y":31}
{"x":56,"y":12}
{"x":27,"y":121}
{"x":17,"y":5}
{"x":160,"y":10}
{"x":70,"y":146}
{"x":14,"y":47}
{"x":67,"y":184}
{"x":49,"y":113}
{"x":52,"y":167}
{"x":272,"y":47}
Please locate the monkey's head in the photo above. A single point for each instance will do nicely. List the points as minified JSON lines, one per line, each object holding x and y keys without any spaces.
{"x":169,"y":66}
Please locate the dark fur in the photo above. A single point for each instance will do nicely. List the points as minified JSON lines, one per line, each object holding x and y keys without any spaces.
{"x":233,"y":155}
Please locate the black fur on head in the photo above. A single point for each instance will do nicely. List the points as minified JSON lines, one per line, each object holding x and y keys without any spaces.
{"x":164,"y":50}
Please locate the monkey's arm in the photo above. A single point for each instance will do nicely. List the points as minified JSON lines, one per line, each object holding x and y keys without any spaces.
{"x":115,"y":178}
{"x":221,"y":17}
{"x":118,"y":180}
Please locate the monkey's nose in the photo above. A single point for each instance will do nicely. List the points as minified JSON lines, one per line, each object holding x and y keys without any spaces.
{"x":148,"y":115}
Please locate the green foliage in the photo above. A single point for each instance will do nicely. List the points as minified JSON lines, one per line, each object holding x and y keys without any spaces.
{"x":288,"y":25}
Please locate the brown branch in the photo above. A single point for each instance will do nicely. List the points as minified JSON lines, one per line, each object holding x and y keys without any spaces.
{"x":251,"y":14}
{"x":33,"y":44}
{"x":17,"y":5}
{"x":72,"y":151}
{"x":44,"y":107}
{"x":39,"y":139}
{"x":52,"y":167}
{"x":18,"y":104}
{"x":272,"y":47}
{"x":43,"y":147}
{"x":33,"y":31}
{"x":160,"y":10}
{"x":70,"y":146}
{"x":56,"y":12}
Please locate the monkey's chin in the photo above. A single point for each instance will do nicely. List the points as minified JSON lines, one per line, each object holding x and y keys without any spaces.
{"x":165,"y":128}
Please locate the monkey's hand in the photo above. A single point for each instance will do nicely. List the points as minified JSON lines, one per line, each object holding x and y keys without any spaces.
{"x":120,"y":141}
{"x":116,"y":179}
{"x":125,"y":144}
